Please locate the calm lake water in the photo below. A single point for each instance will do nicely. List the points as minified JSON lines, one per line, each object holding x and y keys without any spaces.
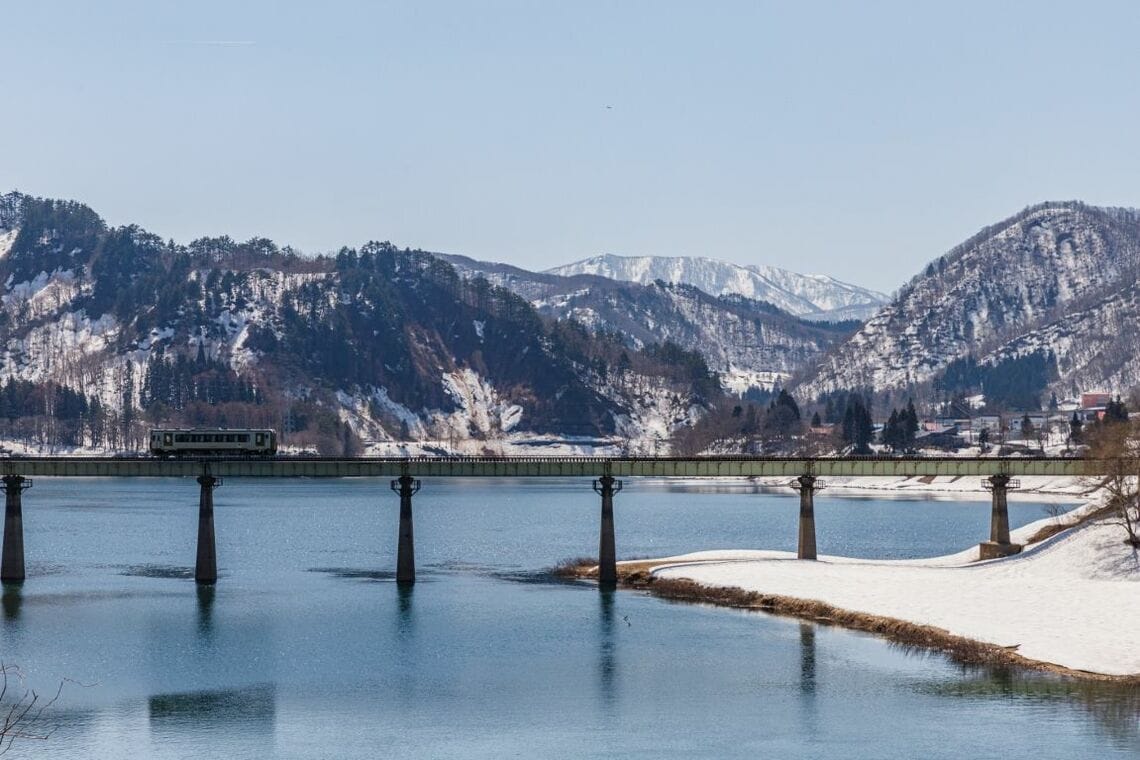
{"x":306,"y":648}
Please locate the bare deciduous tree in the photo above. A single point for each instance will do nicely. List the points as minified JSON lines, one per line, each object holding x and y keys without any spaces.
{"x":1118,"y":445}
{"x":22,"y":709}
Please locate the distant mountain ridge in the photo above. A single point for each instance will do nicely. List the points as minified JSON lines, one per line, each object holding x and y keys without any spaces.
{"x":751,"y":343}
{"x":814,"y":297}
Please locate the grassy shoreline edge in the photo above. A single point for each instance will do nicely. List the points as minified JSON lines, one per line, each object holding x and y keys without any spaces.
{"x":638,"y":575}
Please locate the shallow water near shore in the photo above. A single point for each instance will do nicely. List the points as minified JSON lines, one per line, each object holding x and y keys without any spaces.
{"x":307,"y":648}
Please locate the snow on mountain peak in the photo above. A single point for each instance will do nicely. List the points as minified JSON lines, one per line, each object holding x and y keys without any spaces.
{"x":808,"y":296}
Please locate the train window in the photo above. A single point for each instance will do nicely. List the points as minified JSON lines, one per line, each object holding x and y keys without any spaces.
{"x":167,"y":439}
{"x":181,"y":438}
{"x":260,"y":439}
{"x":244,"y":438}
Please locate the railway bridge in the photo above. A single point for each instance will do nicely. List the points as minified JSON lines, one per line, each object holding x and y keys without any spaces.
{"x":804,"y":474}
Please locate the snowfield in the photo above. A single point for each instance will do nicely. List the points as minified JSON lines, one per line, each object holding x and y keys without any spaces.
{"x":1070,"y":601}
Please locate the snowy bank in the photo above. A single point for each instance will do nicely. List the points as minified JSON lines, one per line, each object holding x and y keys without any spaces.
{"x":1069,"y":601}
{"x":957,"y":487}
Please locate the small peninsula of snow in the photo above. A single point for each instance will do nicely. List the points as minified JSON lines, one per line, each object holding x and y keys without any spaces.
{"x":1070,"y":601}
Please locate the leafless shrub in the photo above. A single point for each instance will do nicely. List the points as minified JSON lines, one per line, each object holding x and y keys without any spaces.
{"x":1117,"y":447}
{"x":22,"y":709}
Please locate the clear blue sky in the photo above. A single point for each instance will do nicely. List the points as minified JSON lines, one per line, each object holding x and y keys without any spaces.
{"x":856,"y":139}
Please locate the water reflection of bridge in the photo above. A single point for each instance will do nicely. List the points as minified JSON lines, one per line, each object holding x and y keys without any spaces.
{"x":804,"y":475}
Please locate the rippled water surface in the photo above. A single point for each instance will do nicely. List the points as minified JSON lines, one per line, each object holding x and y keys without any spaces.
{"x":307,"y":648}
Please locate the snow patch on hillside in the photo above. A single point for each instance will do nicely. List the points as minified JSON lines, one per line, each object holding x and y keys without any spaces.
{"x":739,"y":381}
{"x":654,"y":414}
{"x":400,"y":413}
{"x":236,"y":325}
{"x":55,"y":350}
{"x":481,"y":411}
{"x":156,"y":336}
{"x":45,"y":294}
{"x":7,"y":240}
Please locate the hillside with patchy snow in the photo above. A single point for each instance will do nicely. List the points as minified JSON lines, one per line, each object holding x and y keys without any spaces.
{"x":106,"y":330}
{"x":1056,"y":281}
{"x":751,"y":343}
{"x":813,"y":296}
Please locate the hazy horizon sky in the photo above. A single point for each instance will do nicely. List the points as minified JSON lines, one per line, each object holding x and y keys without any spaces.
{"x":859,"y":140}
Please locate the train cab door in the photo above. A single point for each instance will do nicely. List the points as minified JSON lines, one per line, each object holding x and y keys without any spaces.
{"x":167,"y":440}
{"x":259,"y":440}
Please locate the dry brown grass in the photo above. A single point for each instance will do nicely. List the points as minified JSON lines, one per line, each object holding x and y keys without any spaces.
{"x":1048,"y":531}
{"x":576,"y":567}
{"x":639,"y":575}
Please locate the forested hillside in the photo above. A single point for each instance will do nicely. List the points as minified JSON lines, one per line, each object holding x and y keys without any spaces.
{"x":109,"y":330}
{"x":1043,"y":302}
{"x":753,"y":344}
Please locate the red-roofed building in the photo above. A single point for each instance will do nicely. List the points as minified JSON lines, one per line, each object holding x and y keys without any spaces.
{"x":1095,"y":399}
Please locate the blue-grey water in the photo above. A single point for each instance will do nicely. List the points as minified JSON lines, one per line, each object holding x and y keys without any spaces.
{"x":307,"y":648}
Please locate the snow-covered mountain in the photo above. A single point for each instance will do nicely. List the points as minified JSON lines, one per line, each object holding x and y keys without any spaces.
{"x":813,"y":296}
{"x":751,"y":343}
{"x":1056,"y":281}
{"x":105,"y":330}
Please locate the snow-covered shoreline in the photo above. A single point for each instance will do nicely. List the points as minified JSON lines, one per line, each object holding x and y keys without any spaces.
{"x":1068,"y":602}
{"x":1042,"y":488}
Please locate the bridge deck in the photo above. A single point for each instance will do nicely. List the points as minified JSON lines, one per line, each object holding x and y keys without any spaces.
{"x":540,"y":467}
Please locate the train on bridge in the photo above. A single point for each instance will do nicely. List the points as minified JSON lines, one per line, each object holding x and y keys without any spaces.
{"x":174,"y":442}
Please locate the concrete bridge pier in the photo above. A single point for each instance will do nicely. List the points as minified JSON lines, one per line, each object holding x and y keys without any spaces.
{"x":999,"y":544}
{"x":406,"y":486}
{"x":607,"y":486}
{"x":206,"y":565}
{"x":12,"y":562}
{"x":806,"y":485}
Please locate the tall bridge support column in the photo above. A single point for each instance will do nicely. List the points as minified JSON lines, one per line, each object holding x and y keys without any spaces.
{"x":806,"y":485}
{"x":406,"y":486}
{"x":999,"y":544}
{"x":206,"y":565}
{"x":12,"y":562}
{"x":607,"y":486}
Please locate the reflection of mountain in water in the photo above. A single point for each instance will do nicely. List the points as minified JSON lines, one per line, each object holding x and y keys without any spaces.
{"x":253,"y":707}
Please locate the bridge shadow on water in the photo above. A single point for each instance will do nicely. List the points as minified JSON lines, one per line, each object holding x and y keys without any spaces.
{"x":356,"y":574}
{"x":430,"y":573}
{"x":167,"y":572}
{"x":253,"y":708}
